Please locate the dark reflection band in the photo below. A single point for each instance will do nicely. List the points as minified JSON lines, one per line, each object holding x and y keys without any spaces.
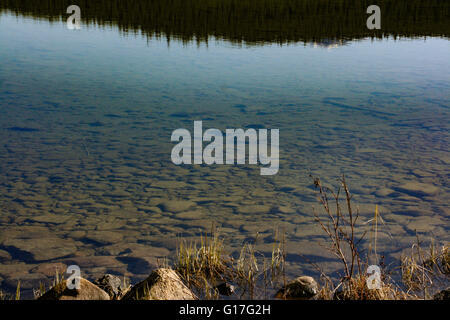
{"x":251,"y":21}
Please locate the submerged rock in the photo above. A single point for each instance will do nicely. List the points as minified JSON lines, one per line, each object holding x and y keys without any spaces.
{"x":175,"y":206}
{"x":418,"y":189}
{"x":50,"y":269}
{"x":41,"y":248}
{"x":162,"y":284}
{"x":303,"y":287}
{"x":87,"y":291}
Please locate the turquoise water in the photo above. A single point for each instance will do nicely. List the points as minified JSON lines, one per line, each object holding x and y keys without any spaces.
{"x":86,"y":174}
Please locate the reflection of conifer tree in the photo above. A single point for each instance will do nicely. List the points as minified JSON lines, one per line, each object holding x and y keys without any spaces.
{"x":252,"y":21}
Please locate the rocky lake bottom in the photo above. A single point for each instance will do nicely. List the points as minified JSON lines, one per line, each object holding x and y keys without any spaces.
{"x":86,"y":176}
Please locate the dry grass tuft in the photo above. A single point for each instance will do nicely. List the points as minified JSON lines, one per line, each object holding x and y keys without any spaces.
{"x":206,"y":265}
{"x":419,"y":270}
{"x":424,"y":270}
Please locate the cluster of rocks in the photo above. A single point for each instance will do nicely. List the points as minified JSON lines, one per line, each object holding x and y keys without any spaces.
{"x":162,"y":284}
{"x":165,"y":284}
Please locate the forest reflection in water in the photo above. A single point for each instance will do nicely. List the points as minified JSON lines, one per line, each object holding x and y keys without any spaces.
{"x":251,"y":21}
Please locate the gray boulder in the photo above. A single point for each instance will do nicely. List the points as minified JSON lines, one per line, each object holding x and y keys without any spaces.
{"x":112,"y":285}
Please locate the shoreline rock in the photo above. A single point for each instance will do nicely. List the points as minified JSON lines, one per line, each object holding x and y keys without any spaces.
{"x":112,"y":285}
{"x":87,"y":291}
{"x":162,"y":284}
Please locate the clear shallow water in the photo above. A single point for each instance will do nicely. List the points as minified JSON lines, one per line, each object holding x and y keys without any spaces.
{"x":85,"y":144}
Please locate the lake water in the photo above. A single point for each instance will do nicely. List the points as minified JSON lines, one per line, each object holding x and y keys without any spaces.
{"x":86,"y":119}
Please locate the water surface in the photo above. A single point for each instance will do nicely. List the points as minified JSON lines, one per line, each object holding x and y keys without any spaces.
{"x":86,"y":174}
